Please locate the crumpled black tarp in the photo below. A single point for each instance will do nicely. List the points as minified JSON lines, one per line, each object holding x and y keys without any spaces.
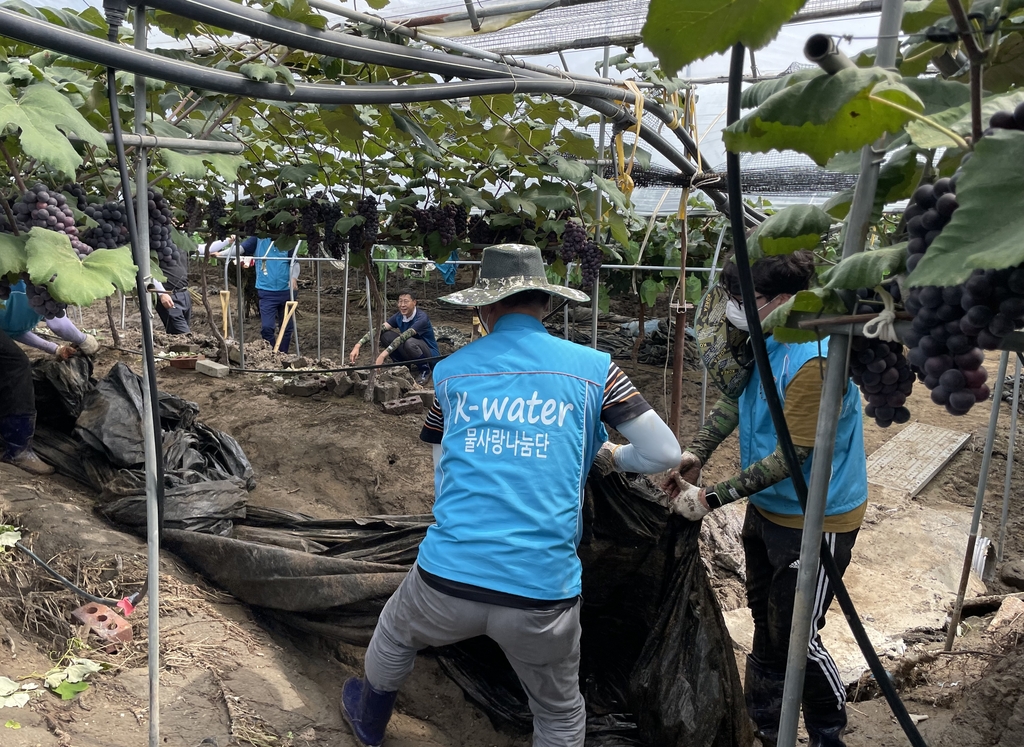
{"x":92,"y":432}
{"x":657,"y":662}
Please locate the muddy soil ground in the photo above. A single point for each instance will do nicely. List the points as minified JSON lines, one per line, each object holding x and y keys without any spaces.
{"x":231,"y":676}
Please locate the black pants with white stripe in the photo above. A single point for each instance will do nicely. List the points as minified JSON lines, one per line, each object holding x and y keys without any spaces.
{"x":772,"y":555}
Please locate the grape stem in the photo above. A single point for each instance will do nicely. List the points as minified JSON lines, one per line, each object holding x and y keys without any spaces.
{"x":960,"y":142}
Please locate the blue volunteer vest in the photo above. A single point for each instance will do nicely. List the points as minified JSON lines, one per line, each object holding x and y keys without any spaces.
{"x":848,"y":487}
{"x":16,"y":316}
{"x":522,"y":425}
{"x":275,"y":274}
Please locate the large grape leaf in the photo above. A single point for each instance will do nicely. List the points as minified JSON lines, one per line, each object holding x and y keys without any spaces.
{"x":826,"y":114}
{"x":867,"y":269}
{"x":937,"y":94}
{"x":760,"y":92}
{"x":985,"y":231}
{"x":896,"y":181}
{"x":682,"y":31}
{"x":815,"y":300}
{"x":43,"y":115}
{"x":12,"y":254}
{"x":193,"y":164}
{"x":78,"y":282}
{"x":790,"y":229}
{"x":920,"y":14}
{"x":958,"y":119}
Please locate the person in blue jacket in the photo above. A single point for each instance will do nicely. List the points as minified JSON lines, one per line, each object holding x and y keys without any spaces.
{"x":408,"y":336}
{"x":277,"y":275}
{"x":17,"y":397}
{"x":773,"y":526}
{"x":517,"y":421}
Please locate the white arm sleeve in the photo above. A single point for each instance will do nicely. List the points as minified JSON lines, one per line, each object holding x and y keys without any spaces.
{"x":224,"y":244}
{"x":652,"y":446}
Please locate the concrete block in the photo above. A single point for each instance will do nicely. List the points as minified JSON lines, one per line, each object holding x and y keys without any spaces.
{"x":426,"y":396}
{"x":301,"y":388}
{"x":212,"y":368}
{"x":343,"y":385}
{"x":404,"y":406}
{"x":187,"y":349}
{"x":385,"y":392}
{"x":359,"y":388}
{"x":296,"y":362}
{"x":359,"y":375}
{"x":234,"y":355}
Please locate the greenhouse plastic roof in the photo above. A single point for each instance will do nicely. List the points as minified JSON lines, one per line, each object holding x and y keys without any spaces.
{"x":615,"y":23}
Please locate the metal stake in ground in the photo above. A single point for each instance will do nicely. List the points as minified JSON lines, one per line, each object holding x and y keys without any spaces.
{"x":1014,"y":405}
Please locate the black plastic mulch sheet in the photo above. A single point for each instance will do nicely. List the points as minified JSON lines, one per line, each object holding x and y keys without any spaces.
{"x":657,"y":661}
{"x":92,"y":431}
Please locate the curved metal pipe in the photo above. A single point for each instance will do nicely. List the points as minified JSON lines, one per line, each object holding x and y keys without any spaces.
{"x":821,"y":49}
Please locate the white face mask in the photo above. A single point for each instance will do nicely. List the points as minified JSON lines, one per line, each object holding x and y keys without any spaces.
{"x":736,"y":315}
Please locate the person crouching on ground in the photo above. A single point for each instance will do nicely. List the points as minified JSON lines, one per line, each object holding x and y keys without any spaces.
{"x":773,"y":526}
{"x":515,"y":426}
{"x":408,"y":337}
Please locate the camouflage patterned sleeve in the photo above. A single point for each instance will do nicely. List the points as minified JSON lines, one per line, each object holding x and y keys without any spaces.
{"x":366,"y":338}
{"x":721,"y":421}
{"x":758,"y":476}
{"x":400,"y":340}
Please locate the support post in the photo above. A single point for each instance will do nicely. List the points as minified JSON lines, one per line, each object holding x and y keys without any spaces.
{"x":344,"y":310}
{"x":597,"y":214}
{"x":149,"y":414}
{"x":979,"y":502}
{"x":1015,"y":404}
{"x":241,"y":302}
{"x":834,"y":388}
{"x":711,"y":281}
{"x":319,"y":353}
{"x":679,"y":338}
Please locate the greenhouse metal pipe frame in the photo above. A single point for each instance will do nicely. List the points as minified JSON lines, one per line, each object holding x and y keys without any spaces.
{"x":500,"y":79}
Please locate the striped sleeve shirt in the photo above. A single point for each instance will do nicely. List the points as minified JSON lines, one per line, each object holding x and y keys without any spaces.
{"x":622,"y":402}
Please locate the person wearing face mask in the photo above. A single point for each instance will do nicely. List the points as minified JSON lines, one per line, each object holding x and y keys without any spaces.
{"x":516,"y":425}
{"x":408,"y":336}
{"x":774,"y":520}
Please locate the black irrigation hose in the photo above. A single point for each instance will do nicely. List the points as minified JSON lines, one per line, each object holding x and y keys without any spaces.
{"x":114,"y":18}
{"x":779,"y":419}
{"x":69,"y":584}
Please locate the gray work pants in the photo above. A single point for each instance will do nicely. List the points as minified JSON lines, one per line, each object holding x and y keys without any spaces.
{"x":543,"y":647}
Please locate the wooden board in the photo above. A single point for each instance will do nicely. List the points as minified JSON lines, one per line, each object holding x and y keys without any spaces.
{"x":914,"y":456}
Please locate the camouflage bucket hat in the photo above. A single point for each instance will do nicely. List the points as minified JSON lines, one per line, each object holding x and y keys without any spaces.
{"x":507,"y":269}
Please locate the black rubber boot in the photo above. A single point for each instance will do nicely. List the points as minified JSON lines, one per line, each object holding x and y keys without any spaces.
{"x":366,"y":710}
{"x":763,"y":690}
{"x":17,"y":431}
{"x":825,"y":727}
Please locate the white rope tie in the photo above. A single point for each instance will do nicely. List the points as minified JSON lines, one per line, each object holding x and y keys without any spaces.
{"x":882,"y":325}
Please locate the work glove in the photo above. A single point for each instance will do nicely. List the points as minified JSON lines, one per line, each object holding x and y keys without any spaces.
{"x":603,"y":462}
{"x":64,"y":352}
{"x":688,"y":471}
{"x":89,"y":346}
{"x":688,"y":503}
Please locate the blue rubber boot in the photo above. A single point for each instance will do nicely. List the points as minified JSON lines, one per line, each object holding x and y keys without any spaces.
{"x":366,"y":710}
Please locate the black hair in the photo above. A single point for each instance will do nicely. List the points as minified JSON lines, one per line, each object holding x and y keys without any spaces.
{"x":531,"y":297}
{"x":775,"y":275}
{"x":407,"y":292}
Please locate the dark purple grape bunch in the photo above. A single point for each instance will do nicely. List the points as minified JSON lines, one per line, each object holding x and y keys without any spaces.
{"x":480,"y":231}
{"x":193,"y":214}
{"x":366,"y":233}
{"x":870,"y":302}
{"x":574,"y":241}
{"x":883,"y":373}
{"x":931,"y":208}
{"x":590,"y":263}
{"x":41,"y":207}
{"x":77,"y":192}
{"x":111,"y":229}
{"x":161,"y":221}
{"x":446,"y":226}
{"x":216,"y":211}
{"x":310,"y":215}
{"x":41,"y":302}
{"x":330,"y":213}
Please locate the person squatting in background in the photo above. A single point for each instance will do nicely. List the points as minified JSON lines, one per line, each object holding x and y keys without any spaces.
{"x":515,"y":426}
{"x":174,"y":302}
{"x":408,"y":337}
{"x":17,"y":396}
{"x":774,"y":519}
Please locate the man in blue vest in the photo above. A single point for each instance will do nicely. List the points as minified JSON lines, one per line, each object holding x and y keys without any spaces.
{"x":515,"y":427}
{"x":773,"y":526}
{"x":408,"y":336}
{"x":277,"y":275}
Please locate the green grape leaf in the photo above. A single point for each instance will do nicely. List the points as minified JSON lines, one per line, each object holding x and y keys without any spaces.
{"x":815,"y":300}
{"x":681,"y":32}
{"x":937,"y":94}
{"x":43,"y":115}
{"x":12,"y":724}
{"x":790,"y":229}
{"x":13,"y":257}
{"x":958,"y":119}
{"x":867,"y":269}
{"x":1007,"y":69}
{"x":78,"y":282}
{"x":574,"y":172}
{"x":258,"y":72}
{"x":825,"y":115}
{"x":896,"y":181}
{"x":761,"y":91}
{"x":920,"y":14}
{"x":68,"y":690}
{"x":649,"y":291}
{"x":985,"y":231}
{"x":612,"y":191}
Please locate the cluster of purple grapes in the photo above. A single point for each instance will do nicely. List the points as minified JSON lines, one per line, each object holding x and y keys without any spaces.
{"x":590,"y":263}
{"x":41,"y":301}
{"x":330,"y":212}
{"x":480,"y":231}
{"x":193,"y":214}
{"x":309,"y":223}
{"x":869,"y":302}
{"x":360,"y":235}
{"x":449,"y":220}
{"x":883,"y":373}
{"x":111,"y":229}
{"x":40,"y":207}
{"x":931,"y":208}
{"x":574,"y":241}
{"x":216,"y":211}
{"x":160,"y":224}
